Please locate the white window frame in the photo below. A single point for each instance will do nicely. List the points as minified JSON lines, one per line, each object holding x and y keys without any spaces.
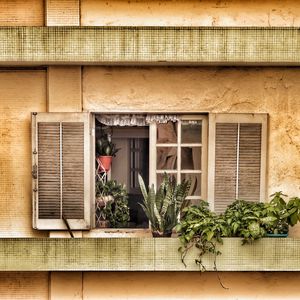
{"x":203,"y":145}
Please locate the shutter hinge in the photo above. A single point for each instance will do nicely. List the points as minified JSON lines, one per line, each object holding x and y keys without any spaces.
{"x":34,"y":172}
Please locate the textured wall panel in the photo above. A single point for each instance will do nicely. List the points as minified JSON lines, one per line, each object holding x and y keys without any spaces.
{"x":190,"y":13}
{"x":64,"y":89}
{"x":191,"y":285}
{"x":21,"y":92}
{"x":21,"y":13}
{"x":168,"y":45}
{"x":147,"y":254}
{"x":24,"y":285}
{"x":62,"y":12}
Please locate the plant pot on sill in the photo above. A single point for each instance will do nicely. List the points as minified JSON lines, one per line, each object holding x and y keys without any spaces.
{"x":105,"y":162}
{"x":277,"y":235}
{"x":158,"y":234}
{"x":103,"y":224}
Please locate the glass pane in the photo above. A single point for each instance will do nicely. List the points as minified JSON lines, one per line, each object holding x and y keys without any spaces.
{"x":166,"y":158}
{"x":160,"y":177}
{"x":191,"y":131}
{"x":195,"y":179}
{"x":191,"y":158}
{"x":167,"y":133}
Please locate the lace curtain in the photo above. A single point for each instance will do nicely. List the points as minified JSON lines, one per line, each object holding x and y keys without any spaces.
{"x":134,"y":119}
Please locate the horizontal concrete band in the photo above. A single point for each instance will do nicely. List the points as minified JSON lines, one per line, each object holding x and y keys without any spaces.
{"x":143,"y":254}
{"x":149,"y":45}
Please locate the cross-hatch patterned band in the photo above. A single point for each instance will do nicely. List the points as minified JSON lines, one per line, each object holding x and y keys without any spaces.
{"x":143,"y":254}
{"x":165,"y":45}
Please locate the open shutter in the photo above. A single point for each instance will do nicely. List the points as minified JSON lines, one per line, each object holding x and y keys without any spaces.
{"x":237,"y":158}
{"x":61,"y":170}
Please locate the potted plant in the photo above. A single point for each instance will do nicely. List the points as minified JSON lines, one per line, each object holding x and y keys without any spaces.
{"x":164,"y":206}
{"x":281,"y":214}
{"x":105,"y":151}
{"x":111,"y":205}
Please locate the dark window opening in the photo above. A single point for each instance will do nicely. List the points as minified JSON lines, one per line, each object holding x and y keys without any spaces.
{"x":131,"y":159}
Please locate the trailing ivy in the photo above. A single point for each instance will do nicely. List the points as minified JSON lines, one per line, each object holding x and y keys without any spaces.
{"x":251,"y":221}
{"x":203,"y":229}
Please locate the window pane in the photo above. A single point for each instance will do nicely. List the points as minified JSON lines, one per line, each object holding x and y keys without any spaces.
{"x":191,"y":158}
{"x":160,"y":177}
{"x":191,"y":131}
{"x":167,"y":133}
{"x":166,"y":158}
{"x":195,"y":179}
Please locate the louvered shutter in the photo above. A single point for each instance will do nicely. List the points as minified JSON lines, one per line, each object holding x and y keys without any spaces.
{"x":237,"y":158}
{"x":61,"y":170}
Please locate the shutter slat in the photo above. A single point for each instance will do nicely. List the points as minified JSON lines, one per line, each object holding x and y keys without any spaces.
{"x":249,"y":162}
{"x":73,"y":170}
{"x":49,"y":170}
{"x":225,"y":164}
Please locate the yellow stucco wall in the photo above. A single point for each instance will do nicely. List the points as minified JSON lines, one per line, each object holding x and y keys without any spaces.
{"x":190,"y":13}
{"x":21,"y":92}
{"x":24,"y":285}
{"x":275,"y":91}
{"x":241,"y":285}
{"x":21,"y":13}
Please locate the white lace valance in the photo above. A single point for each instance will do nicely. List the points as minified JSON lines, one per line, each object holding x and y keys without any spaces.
{"x":134,"y":119}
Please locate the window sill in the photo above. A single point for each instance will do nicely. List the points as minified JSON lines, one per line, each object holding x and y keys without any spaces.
{"x":143,"y":254}
{"x":117,"y":233}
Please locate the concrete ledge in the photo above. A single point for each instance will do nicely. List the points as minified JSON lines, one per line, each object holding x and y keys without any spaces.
{"x":149,"y":45}
{"x":142,"y":254}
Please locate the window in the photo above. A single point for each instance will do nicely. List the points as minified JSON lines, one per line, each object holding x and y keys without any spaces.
{"x":180,"y":150}
{"x":224,"y":156}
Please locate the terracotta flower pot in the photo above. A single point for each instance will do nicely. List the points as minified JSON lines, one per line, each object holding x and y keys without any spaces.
{"x":105,"y":162}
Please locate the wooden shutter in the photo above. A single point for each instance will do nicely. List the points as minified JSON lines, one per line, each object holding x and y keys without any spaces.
{"x":237,"y":158}
{"x":61,"y":170}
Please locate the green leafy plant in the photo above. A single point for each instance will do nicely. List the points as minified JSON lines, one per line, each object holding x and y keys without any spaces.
{"x":113,"y":200}
{"x":281,"y":214}
{"x":203,"y":229}
{"x":244,"y":219}
{"x":276,"y":215}
{"x":164,"y":206}
{"x":104,"y":147}
{"x":251,"y":221}
{"x":293,"y":208}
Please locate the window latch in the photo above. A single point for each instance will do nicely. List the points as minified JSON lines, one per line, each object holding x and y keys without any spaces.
{"x":34,"y":172}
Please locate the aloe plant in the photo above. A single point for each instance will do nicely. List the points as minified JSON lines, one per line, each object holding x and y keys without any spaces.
{"x":164,"y":206}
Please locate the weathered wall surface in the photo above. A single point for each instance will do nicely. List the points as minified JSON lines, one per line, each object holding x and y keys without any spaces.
{"x":241,"y":285}
{"x":21,"y":13}
{"x":275,"y":91}
{"x":24,"y":285}
{"x":190,"y":13}
{"x":21,"y":92}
